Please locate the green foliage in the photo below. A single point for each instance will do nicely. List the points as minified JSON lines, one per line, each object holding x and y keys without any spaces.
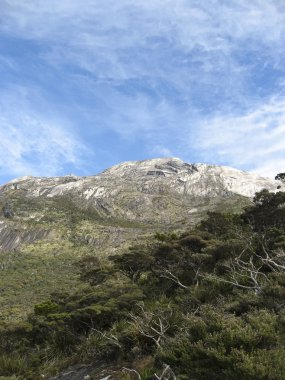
{"x":46,"y":308}
{"x":160,"y":236}
{"x":268,"y":211}
{"x":33,"y":273}
{"x":218,"y":224}
{"x":217,"y":345}
{"x":135,"y":262}
{"x":208,"y":302}
{"x":12,"y":365}
{"x":280,"y":177}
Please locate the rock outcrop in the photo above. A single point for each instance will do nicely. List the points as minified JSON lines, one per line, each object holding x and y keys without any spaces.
{"x":133,"y":195}
{"x":160,"y":190}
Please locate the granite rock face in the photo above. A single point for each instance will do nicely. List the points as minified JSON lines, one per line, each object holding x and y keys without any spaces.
{"x":165,"y":190}
{"x":13,"y":236}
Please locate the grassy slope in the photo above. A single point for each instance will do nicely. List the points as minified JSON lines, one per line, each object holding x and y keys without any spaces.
{"x":40,"y":268}
{"x":37,"y":269}
{"x":33,"y":272}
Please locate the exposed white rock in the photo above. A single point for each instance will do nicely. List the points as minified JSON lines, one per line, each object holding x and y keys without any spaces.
{"x":157,"y":189}
{"x":192,"y":179}
{"x":20,"y":179}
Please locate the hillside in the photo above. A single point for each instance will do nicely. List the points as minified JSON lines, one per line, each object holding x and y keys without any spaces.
{"x":58,"y":220}
{"x":126,"y":200}
{"x":88,"y":259}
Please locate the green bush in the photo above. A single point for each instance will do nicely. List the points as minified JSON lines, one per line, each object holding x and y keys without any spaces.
{"x":188,"y":301}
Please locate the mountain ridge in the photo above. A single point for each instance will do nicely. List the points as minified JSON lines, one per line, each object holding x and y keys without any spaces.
{"x":131,"y":188}
{"x":129,"y":197}
{"x":156,"y":167}
{"x":101,"y":298}
{"x":125,"y":164}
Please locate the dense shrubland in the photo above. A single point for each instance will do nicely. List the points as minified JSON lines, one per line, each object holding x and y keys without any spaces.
{"x":206,"y":304}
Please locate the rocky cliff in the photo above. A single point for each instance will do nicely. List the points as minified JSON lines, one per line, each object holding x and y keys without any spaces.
{"x":165,"y":190}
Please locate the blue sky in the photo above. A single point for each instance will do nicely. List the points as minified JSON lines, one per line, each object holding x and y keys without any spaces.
{"x":88,"y":84}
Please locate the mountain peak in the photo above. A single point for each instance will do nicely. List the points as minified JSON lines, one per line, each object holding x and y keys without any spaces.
{"x":161,"y":190}
{"x":155,"y":166}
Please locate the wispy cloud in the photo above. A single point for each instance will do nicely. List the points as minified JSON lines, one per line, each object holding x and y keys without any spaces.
{"x":126,"y":40}
{"x":201,"y":80}
{"x":30,"y":143}
{"x":252,"y":140}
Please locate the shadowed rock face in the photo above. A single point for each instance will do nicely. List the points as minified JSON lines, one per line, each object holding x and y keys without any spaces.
{"x":11,"y":236}
{"x":151,"y":190}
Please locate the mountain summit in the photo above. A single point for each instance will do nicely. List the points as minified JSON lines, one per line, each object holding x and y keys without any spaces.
{"x":163,"y":190}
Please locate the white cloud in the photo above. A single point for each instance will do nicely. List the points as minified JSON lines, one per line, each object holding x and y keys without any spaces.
{"x":103,"y":36}
{"x":6,"y":62}
{"x":182,"y":54}
{"x":253,"y":140}
{"x":161,"y":151}
{"x":33,"y":143}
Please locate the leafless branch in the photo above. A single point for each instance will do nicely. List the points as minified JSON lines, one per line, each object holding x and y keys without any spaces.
{"x":275,"y":260}
{"x":167,"y":374}
{"x":243,"y":274}
{"x":153,"y":326}
{"x":111,"y":338}
{"x":132,"y":371}
{"x":170,"y":276}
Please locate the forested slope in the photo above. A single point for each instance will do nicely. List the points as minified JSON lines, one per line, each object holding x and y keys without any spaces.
{"x":207,"y":304}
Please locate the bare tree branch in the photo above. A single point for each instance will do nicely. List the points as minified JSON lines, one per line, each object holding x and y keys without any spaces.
{"x":170,"y":276}
{"x":132,"y":371}
{"x":243,"y":274}
{"x":167,"y":371}
{"x":150,"y":325}
{"x":275,"y":260}
{"x":111,"y":338}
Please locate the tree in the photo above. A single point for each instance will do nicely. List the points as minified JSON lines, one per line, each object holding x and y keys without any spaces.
{"x":217,"y":223}
{"x":267,"y":211}
{"x":280,"y":177}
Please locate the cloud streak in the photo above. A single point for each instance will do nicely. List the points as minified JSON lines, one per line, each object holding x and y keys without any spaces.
{"x":200,"y":80}
{"x":253,"y":140}
{"x":30,"y":143}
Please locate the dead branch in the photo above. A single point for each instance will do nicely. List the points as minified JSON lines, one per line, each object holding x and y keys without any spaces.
{"x":150,"y":325}
{"x":170,"y":276}
{"x":243,"y":274}
{"x":111,"y":338}
{"x":132,"y":371}
{"x":275,"y":260}
{"x":167,"y":371}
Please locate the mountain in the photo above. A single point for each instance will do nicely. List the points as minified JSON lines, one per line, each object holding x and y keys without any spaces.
{"x":79,"y":255}
{"x":59,"y":219}
{"x":157,"y":191}
{"x":124,"y":201}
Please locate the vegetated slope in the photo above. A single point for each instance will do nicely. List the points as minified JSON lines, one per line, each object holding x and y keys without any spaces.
{"x":44,"y":239}
{"x":156,"y":193}
{"x":57,"y":220}
{"x":204,"y":304}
